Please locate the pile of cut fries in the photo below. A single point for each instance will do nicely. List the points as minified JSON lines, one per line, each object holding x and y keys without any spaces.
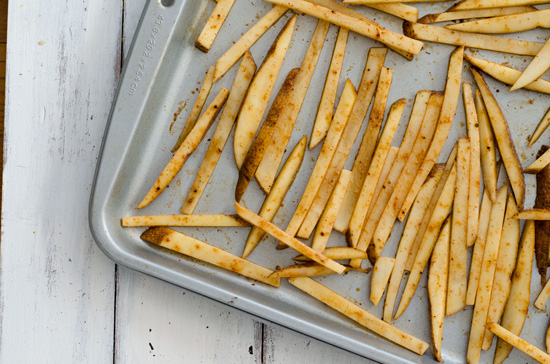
{"x":446,"y":208}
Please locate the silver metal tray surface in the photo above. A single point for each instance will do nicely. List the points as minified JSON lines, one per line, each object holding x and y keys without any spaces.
{"x":164,"y":72}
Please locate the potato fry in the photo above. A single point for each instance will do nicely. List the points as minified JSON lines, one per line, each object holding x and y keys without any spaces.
{"x":505,"y":74}
{"x":197,"y":108}
{"x":295,"y":244}
{"x":381,"y":199}
{"x":257,"y":149}
{"x":380,"y":277}
{"x":188,"y":146}
{"x":504,"y":140}
{"x":277,"y":194}
{"x":184,"y":220}
{"x":448,"y":110}
{"x":541,"y":127}
{"x":328,"y":98}
{"x":409,"y":232}
{"x":257,"y":96}
{"x":479,"y":247}
{"x":539,"y":164}
{"x":438,"y":276}
{"x":402,"y":11}
{"x":458,"y":261}
{"x":213,"y":25}
{"x":506,"y":24}
{"x":379,"y":78}
{"x":221,"y":134}
{"x":326,"y":222}
{"x":367,"y":191}
{"x":267,"y":170}
{"x":474,"y":14}
{"x":484,"y":4}
{"x":533,"y":214}
{"x":387,"y":219}
{"x":310,"y":269}
{"x":547,"y":341}
{"x":519,"y":343}
{"x":487,"y":274}
{"x":181,"y":243}
{"x":543,"y":296}
{"x":365,"y":2}
{"x":487,"y":148}
{"x":507,"y":254}
{"x":337,"y":253}
{"x":429,"y":239}
{"x":472,"y":125}
{"x":539,"y":65}
{"x":517,"y":306}
{"x":432,"y":33}
{"x":370,"y":30}
{"x":232,"y":55}
{"x":359,"y":315}
{"x":343,"y":111}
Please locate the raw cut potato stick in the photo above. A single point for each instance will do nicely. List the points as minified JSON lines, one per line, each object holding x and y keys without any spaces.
{"x":181,"y":243}
{"x":517,"y":306}
{"x":277,"y":194}
{"x":359,"y":315}
{"x":506,"y":74}
{"x":336,"y":253}
{"x":232,"y":55}
{"x":310,"y":269}
{"x":458,"y":261}
{"x":541,"y":127}
{"x":259,"y":92}
{"x":448,"y":110}
{"x":373,"y":31}
{"x":534,"y":214}
{"x":504,"y":140}
{"x":328,"y":98}
{"x":507,"y":254}
{"x":343,"y":111}
{"x":366,"y":2}
{"x":402,"y":11}
{"x":438,"y":276}
{"x":539,"y":64}
{"x":479,"y":247}
{"x":484,"y":4}
{"x":184,"y":220}
{"x":377,"y":208}
{"x":429,"y":239}
{"x":340,"y":156}
{"x":542,"y":228}
{"x":197,"y":108}
{"x":260,"y":144}
{"x":488,"y":150}
{"x":326,"y":222}
{"x":267,"y":170}
{"x":409,"y":232}
{"x":539,"y":164}
{"x":213,"y":25}
{"x":506,"y":24}
{"x":221,"y":134}
{"x":472,"y":125}
{"x":373,"y":175}
{"x":435,"y":34}
{"x":379,"y":78}
{"x":295,"y":244}
{"x":519,"y":343}
{"x":188,"y":146}
{"x":474,"y":14}
{"x":487,"y":274}
{"x":379,"y":279}
{"x":543,"y":296}
{"x":387,"y":219}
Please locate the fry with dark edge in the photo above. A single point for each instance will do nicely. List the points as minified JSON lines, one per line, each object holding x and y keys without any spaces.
{"x":484,"y":4}
{"x":542,"y":228}
{"x":181,"y":243}
{"x":260,"y":144}
{"x":506,"y":24}
{"x":336,"y":253}
{"x":214,"y":24}
{"x":542,"y":161}
{"x":519,"y":343}
{"x":541,"y":127}
{"x":533,"y":214}
{"x":310,"y":269}
{"x":184,"y":220}
{"x":474,"y":14}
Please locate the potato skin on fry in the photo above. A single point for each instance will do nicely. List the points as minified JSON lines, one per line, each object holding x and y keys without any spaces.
{"x":542,"y":228}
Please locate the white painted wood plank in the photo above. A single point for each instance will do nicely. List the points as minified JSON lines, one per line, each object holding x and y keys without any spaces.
{"x":57,"y":287}
{"x":158,"y":321}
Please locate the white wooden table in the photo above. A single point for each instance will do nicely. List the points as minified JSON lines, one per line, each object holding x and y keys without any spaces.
{"x":62,"y":300}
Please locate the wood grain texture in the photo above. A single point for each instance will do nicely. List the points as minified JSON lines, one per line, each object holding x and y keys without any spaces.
{"x":57,"y":286}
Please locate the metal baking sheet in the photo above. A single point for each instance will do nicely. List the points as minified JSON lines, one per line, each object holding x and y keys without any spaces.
{"x":159,"y":85}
